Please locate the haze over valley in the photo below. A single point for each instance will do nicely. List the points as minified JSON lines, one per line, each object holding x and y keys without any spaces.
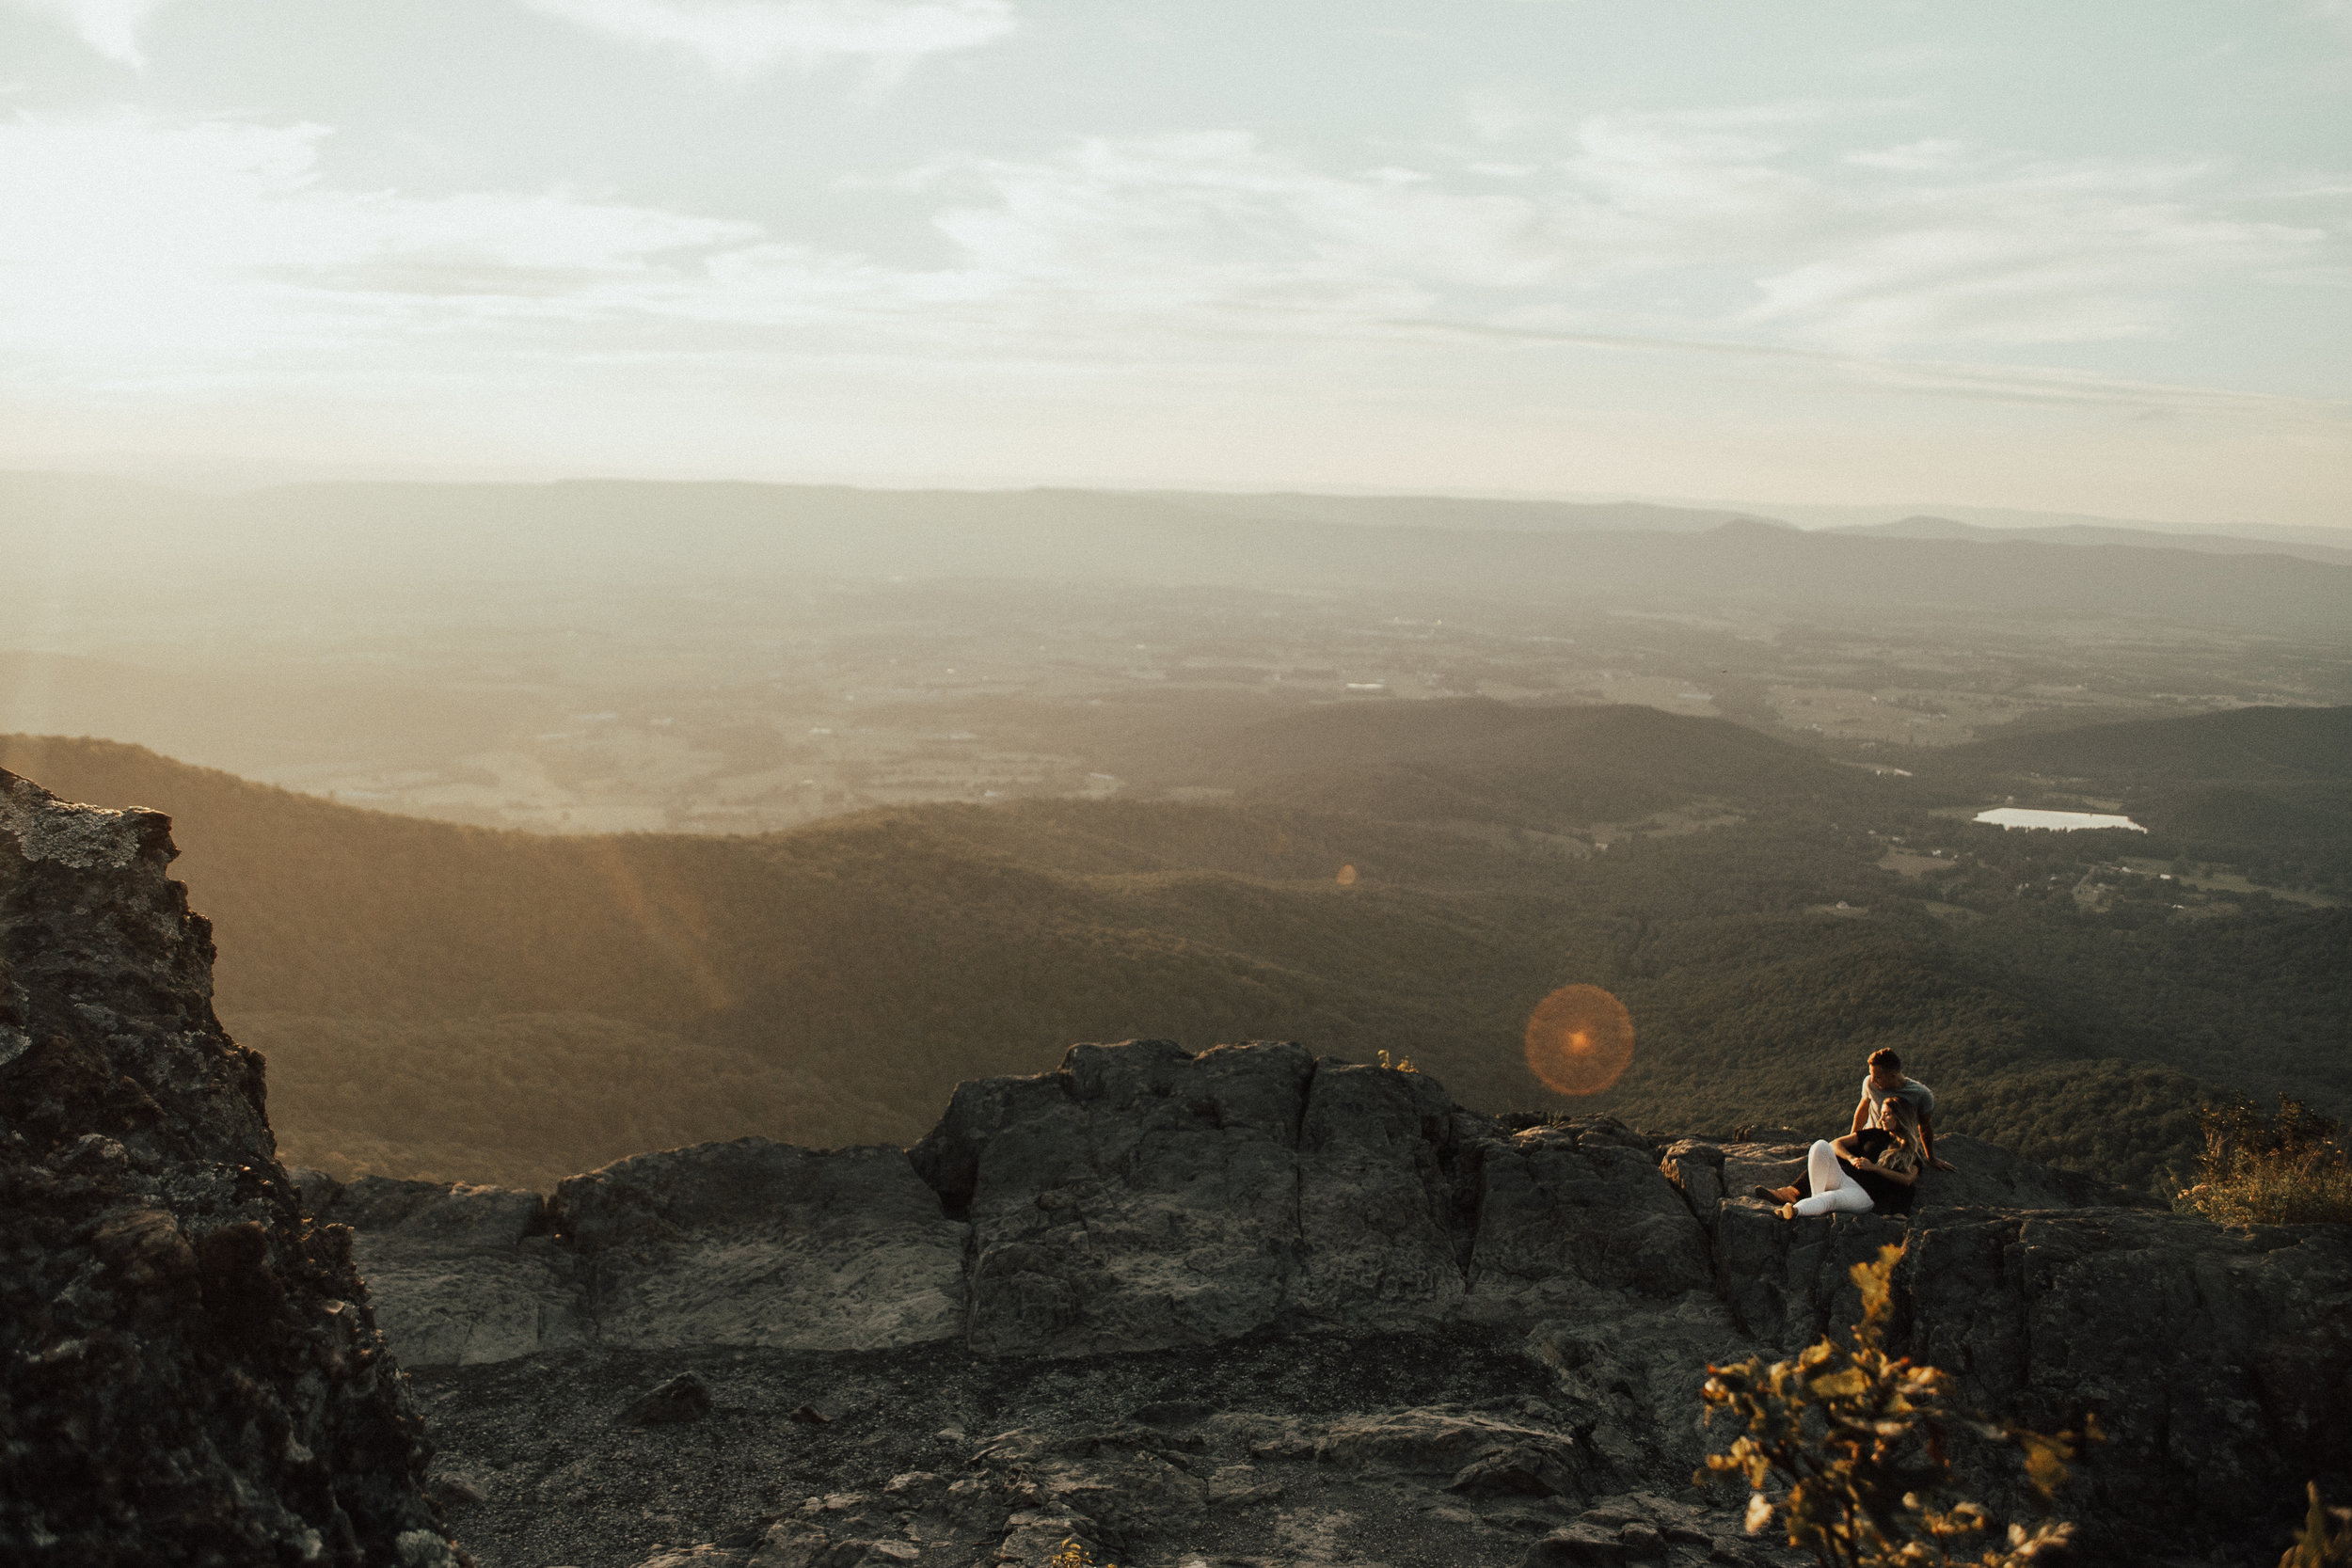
{"x":1022,"y":783}
{"x":624,"y":817}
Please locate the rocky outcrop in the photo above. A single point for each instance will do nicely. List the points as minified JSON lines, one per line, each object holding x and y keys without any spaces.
{"x":761,"y":1243}
{"x":1142,"y":1196}
{"x":458,"y":1275}
{"x":1240,"y":1305}
{"x":189,"y":1371}
{"x":1146,"y":1199}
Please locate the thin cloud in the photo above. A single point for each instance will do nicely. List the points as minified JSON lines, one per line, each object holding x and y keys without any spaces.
{"x":112,"y":27}
{"x":156,"y":250}
{"x":742,"y":39}
{"x":138,"y":248}
{"x":1711,"y":220}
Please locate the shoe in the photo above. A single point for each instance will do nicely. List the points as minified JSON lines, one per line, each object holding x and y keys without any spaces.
{"x":1787,"y":1211}
{"x":1769,"y":1196}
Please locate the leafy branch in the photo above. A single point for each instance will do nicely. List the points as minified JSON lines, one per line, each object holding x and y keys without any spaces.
{"x":1848,"y":1447}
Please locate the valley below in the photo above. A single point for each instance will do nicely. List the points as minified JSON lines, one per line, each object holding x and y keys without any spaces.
{"x":810,"y":1065}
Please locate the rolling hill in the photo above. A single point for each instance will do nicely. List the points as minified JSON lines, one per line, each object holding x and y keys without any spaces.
{"x":2251,"y":744}
{"x":458,"y":1001}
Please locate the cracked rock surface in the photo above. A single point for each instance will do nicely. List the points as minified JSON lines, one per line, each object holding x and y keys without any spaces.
{"x":189,"y":1371}
{"x":1182,"y":1235}
{"x":1448,"y":1448}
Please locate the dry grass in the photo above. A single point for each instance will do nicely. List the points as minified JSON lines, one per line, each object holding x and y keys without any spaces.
{"x":2292,"y":1168}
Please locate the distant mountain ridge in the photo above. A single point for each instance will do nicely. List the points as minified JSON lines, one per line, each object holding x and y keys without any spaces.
{"x":349,"y":539}
{"x":1927,"y":527}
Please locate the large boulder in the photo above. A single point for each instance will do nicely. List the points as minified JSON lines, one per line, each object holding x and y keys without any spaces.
{"x":1388,"y":1200}
{"x":189,"y":1371}
{"x":1582,"y":1204}
{"x":2218,"y":1360}
{"x":460,"y":1275}
{"x":1144,"y":1195}
{"x":754,"y":1243}
{"x":1139,"y":1196}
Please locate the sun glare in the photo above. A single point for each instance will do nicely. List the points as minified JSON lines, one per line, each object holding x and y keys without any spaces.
{"x":1580,"y":1040}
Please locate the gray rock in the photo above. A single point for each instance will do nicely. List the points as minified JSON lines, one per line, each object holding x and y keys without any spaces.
{"x":188,"y":1371}
{"x":1577,"y":1546}
{"x":1378,"y":1199}
{"x":1582,"y":1205}
{"x":754,"y":1243}
{"x":1139,"y":1196}
{"x":693,"y":1556}
{"x":1439,"y":1443}
{"x":1143,"y":1197}
{"x":462,"y":1275}
{"x":676,"y":1399}
{"x":1525,"y":1470}
{"x":2220,"y":1361}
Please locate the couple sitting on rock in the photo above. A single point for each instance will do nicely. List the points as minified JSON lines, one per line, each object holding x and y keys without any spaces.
{"x":1877,"y":1165}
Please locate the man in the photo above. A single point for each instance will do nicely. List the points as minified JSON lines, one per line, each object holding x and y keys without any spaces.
{"x":1885,"y":1080}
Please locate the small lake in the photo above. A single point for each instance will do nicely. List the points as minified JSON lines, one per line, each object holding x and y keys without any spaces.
{"x":2063,"y":821}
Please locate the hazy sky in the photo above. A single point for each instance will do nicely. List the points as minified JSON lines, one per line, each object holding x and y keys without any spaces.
{"x":2083,"y":256}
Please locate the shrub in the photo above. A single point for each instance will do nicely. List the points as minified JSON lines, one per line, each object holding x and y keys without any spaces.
{"x":1854,"y":1443}
{"x":2291,"y":1168}
{"x":2325,"y":1539}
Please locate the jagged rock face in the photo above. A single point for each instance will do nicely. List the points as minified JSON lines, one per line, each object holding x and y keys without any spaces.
{"x":1145,"y":1199}
{"x":188,"y":1372}
{"x":762,"y":1244}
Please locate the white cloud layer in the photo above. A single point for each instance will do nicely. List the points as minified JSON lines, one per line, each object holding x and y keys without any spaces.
{"x":153,"y":244}
{"x":742,"y":39}
{"x":1647,"y":218}
{"x":110,"y":27}
{"x":1225,"y":300}
{"x":133,"y":251}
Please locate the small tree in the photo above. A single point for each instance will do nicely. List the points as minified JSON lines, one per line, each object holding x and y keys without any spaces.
{"x":1847,"y":1447}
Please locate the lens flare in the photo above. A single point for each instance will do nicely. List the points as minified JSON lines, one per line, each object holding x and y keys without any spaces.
{"x":1580,"y":1040}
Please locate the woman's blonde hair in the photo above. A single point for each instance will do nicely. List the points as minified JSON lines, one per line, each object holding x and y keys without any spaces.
{"x":1898,"y":1118}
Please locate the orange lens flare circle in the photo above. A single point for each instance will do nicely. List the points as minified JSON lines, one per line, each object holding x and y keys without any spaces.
{"x":1580,"y":1040}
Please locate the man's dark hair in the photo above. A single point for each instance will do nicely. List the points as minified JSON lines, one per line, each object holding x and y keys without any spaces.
{"x":1883,"y":1057}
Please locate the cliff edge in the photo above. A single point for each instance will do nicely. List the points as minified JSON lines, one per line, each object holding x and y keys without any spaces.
{"x":1248,"y":1210}
{"x":189,"y":1372}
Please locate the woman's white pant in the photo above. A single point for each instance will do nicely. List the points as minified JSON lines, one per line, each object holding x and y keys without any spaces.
{"x":1832,"y":1190}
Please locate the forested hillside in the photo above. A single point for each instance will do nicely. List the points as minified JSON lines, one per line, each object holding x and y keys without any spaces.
{"x":465,"y":1003}
{"x":2267,"y":789}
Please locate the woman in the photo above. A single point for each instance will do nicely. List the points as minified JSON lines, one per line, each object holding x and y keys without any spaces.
{"x":1874,"y":1168}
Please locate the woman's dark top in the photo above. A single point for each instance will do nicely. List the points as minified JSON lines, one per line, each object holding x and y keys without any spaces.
{"x":1887,"y":1197}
